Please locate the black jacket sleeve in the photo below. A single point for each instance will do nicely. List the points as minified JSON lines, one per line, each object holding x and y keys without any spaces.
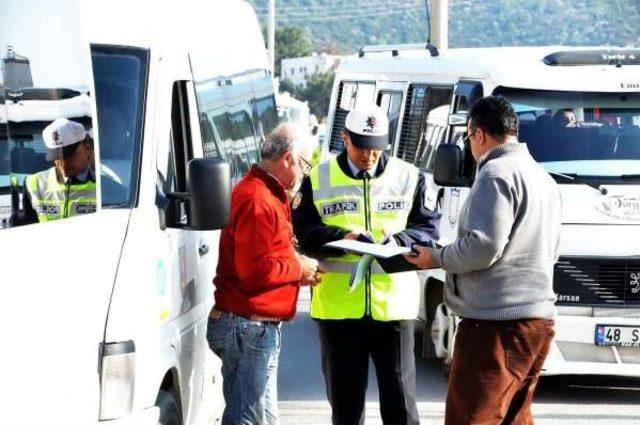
{"x":310,"y":231}
{"x":422,"y":224}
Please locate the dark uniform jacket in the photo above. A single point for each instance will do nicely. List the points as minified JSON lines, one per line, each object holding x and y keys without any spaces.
{"x":312,"y":233}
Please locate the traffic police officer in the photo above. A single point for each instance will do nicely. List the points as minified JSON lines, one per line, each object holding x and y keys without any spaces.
{"x":68,"y":188}
{"x":365,"y":194}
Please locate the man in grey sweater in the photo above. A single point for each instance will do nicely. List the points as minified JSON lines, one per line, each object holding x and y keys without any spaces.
{"x":499,"y":274}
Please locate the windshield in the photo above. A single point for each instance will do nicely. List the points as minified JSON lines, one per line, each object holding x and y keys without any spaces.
{"x":580,"y":133}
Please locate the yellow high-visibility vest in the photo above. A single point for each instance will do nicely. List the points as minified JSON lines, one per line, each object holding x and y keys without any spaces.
{"x":383,"y":202}
{"x":53,"y":200}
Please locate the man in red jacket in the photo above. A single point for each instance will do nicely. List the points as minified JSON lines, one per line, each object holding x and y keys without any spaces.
{"x":258,"y":278}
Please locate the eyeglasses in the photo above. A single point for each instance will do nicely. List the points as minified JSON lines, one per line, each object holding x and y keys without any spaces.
{"x":306,"y":167}
{"x":467,"y":140}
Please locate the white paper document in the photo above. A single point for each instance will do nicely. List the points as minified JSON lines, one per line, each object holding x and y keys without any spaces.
{"x":377,"y":250}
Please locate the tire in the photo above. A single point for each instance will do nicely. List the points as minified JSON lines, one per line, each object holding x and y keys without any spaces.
{"x":169,"y":411}
{"x":445,"y":362}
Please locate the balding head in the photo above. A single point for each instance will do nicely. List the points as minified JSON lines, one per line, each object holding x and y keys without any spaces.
{"x":285,"y":138}
{"x":285,"y":154}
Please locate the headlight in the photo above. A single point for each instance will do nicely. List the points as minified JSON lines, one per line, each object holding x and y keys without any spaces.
{"x":117,"y":379}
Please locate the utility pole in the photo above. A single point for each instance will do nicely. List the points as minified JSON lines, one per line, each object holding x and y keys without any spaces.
{"x":439,"y":24}
{"x":272,"y":35}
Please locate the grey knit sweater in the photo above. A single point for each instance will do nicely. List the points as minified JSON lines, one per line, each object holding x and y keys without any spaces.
{"x":501,"y":265}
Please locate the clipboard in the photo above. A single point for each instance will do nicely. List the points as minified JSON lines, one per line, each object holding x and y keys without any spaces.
{"x":375,"y":249}
{"x":390,"y":258}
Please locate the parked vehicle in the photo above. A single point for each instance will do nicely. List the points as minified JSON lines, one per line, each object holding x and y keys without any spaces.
{"x":104,"y":314}
{"x":594,"y":156}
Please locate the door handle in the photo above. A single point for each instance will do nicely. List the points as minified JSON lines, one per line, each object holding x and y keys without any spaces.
{"x":203,"y":250}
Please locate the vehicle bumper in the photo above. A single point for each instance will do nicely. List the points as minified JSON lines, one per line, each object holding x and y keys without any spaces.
{"x":148,"y":416}
{"x":574,"y":352}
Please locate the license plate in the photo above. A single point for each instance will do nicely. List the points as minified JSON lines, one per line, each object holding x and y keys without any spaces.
{"x":627,"y":336}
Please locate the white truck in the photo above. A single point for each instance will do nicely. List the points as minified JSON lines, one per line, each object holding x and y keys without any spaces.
{"x":593,"y":155}
{"x":104,"y":315}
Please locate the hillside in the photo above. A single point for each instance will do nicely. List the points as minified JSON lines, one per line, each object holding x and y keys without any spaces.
{"x":472,"y":23}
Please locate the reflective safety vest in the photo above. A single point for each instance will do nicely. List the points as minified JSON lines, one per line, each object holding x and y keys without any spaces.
{"x":53,"y":200}
{"x":360,"y":206}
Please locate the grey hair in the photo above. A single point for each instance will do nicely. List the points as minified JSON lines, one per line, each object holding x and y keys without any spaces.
{"x":284,"y":138}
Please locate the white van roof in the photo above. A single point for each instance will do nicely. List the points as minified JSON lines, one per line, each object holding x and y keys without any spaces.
{"x":223,"y":37}
{"x":521,"y":67}
{"x":224,"y":30}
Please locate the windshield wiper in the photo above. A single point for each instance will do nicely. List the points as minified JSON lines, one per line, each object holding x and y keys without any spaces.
{"x":576,"y":178}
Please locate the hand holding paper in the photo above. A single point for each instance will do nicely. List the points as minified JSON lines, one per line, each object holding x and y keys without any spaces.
{"x":422,"y":259}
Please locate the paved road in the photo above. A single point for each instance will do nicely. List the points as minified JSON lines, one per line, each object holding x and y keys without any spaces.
{"x":559,"y":401}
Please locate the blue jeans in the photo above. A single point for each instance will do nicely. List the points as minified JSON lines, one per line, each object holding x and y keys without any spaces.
{"x":249,"y":351}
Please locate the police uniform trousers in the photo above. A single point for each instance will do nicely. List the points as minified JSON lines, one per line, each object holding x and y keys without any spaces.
{"x":346,"y":347}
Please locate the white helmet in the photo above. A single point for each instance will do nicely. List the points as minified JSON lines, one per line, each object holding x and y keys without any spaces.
{"x":368,"y":127}
{"x":60,"y":133}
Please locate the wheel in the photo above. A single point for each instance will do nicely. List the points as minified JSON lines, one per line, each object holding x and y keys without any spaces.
{"x":169,"y":411}
{"x":445,"y":362}
{"x":443,"y":331}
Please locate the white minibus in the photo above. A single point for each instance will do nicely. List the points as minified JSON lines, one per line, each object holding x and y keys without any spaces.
{"x":579,"y":111}
{"x":104,"y":314}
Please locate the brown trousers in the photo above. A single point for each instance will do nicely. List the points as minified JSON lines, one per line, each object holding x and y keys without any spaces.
{"x":495,"y":371}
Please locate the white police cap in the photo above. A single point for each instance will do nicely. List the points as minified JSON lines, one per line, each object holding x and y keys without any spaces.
{"x":60,"y":133}
{"x":368,"y":127}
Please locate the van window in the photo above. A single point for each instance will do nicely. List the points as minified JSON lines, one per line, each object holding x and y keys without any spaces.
{"x":581,"y":133}
{"x":415,"y":114}
{"x":421,"y":99}
{"x":180,"y":148}
{"x":120,"y":78}
{"x":265,"y":116}
{"x":391,"y":102}
{"x":236,"y":114}
{"x":350,"y":94}
{"x":245,"y":148}
{"x":434,"y":136}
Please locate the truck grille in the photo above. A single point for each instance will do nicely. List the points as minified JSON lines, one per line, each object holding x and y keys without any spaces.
{"x":592,"y":281}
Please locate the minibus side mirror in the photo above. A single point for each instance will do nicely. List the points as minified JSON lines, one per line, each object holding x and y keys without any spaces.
{"x":453,"y":167}
{"x":207,"y":203}
{"x":209,"y":186}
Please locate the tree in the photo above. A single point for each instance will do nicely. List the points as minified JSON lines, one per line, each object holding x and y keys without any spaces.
{"x":318,"y":93}
{"x":292,"y":42}
{"x":287,"y":85}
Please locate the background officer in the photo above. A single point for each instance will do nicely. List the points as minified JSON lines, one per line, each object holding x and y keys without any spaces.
{"x":69,"y":187}
{"x":365,"y":194}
